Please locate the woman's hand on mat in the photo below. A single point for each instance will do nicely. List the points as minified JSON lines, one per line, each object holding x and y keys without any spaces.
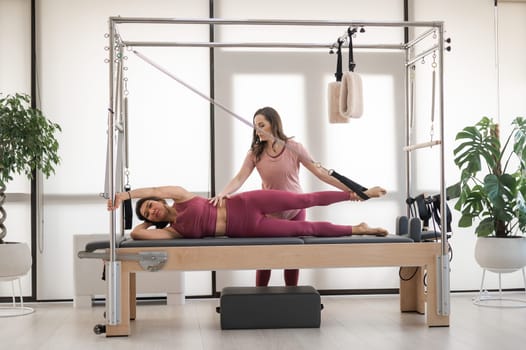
{"x":219,"y":199}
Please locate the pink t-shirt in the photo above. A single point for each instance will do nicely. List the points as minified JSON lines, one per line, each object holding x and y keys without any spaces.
{"x":282,"y":171}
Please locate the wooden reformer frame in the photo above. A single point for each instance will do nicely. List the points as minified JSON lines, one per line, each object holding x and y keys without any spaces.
{"x":414,"y":296}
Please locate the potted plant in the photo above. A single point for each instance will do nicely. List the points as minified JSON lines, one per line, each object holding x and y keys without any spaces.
{"x":28,"y":143}
{"x":492,"y":190}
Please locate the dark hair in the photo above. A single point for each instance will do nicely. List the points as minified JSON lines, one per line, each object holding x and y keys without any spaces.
{"x":276,"y":127}
{"x":140,"y":202}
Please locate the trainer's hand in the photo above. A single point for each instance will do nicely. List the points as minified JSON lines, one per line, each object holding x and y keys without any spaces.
{"x":219,"y":200}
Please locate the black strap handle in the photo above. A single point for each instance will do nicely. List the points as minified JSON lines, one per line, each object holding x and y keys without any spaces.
{"x":357,"y":188}
{"x":128,"y":211}
{"x":350,"y":33}
{"x":339,"y":71}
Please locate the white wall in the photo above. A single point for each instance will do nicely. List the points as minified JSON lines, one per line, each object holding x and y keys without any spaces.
{"x":73,"y":87}
{"x":15,"y":76}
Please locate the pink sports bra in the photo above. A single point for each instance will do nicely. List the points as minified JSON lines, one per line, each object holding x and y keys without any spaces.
{"x":196,"y":218}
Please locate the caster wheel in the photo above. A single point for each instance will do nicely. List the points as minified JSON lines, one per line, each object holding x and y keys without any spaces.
{"x":99,"y":329}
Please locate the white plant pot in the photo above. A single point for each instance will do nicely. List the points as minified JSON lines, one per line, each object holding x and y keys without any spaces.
{"x":501,"y":255}
{"x":15,"y":260}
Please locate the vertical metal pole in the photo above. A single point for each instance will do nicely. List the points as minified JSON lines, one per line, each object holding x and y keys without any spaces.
{"x":211,"y":37}
{"x":443,"y":301}
{"x":497,"y":63}
{"x":36,"y":190}
{"x":407,"y":121}
{"x":112,"y":266}
{"x":120,"y":160}
{"x":126,"y":145}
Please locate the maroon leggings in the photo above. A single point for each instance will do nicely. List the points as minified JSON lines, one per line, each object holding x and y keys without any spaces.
{"x":291,"y":276}
{"x":247,"y":214}
{"x":248,"y":217}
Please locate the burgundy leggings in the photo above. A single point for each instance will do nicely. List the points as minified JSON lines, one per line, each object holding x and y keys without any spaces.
{"x":291,"y":276}
{"x":251,"y":220}
{"x":247,"y":214}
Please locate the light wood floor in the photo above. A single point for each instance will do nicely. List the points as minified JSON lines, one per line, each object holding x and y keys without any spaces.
{"x":348,"y":322}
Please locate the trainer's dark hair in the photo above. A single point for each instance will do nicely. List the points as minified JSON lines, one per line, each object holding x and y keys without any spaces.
{"x":140,"y":202}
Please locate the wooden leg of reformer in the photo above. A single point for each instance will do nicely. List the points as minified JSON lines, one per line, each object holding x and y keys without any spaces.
{"x":412,"y":294}
{"x":133,"y":296}
{"x":123,"y":328}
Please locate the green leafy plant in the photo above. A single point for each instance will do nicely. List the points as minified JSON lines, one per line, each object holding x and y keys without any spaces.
{"x":27,"y":141}
{"x":492,"y":186}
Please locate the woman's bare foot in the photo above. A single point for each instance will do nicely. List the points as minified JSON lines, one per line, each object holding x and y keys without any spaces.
{"x":375,"y":192}
{"x":364,"y":229}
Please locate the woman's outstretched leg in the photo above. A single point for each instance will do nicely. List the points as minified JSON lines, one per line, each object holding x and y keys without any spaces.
{"x":252,"y":220}
{"x":273,"y":201}
{"x":271,"y":227}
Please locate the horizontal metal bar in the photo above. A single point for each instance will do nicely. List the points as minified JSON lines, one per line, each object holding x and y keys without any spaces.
{"x":150,"y":260}
{"x":422,"y":145}
{"x":133,"y":257}
{"x":257,"y":22}
{"x":254,"y":45}
{"x":422,"y":55}
{"x":70,"y":198}
{"x":419,"y":38}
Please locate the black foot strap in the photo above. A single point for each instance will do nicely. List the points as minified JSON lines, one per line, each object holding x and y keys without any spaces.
{"x":128,"y":211}
{"x":357,"y":188}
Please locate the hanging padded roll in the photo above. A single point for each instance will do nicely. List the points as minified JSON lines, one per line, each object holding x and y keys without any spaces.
{"x":351,"y":98}
{"x":333,"y":92}
{"x":270,"y":307}
{"x":334,"y":103}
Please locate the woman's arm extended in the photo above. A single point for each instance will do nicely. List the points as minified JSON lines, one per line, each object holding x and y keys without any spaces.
{"x":142,"y":231}
{"x":177,"y":193}
{"x":236,"y":182}
{"x":322,"y":174}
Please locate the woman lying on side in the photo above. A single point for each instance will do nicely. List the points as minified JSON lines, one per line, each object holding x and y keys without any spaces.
{"x":242,"y":215}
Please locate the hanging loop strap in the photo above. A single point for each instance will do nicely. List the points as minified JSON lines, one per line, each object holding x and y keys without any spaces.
{"x":128,"y":210}
{"x":339,"y":72}
{"x":350,"y":33}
